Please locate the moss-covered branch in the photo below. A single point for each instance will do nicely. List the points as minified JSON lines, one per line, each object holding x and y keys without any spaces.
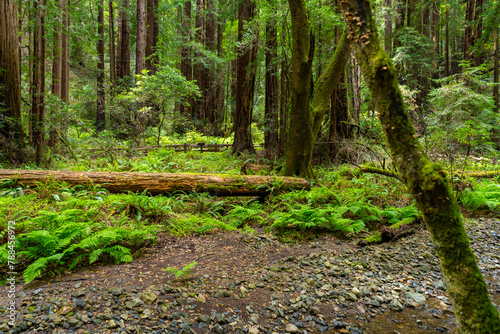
{"x":375,"y":170}
{"x":426,"y":181}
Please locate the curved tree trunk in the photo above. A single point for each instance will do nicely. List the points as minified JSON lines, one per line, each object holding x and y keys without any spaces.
{"x":306,"y":115}
{"x":426,"y":181}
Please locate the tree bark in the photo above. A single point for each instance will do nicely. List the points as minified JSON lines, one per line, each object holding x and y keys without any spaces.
{"x":283,"y":93}
{"x":37,"y":114}
{"x":495,"y":69}
{"x":151,"y":38}
{"x":388,"y":27}
{"x":186,"y":61}
{"x":11,"y":130}
{"x":209,"y":72}
{"x":245,"y":82}
{"x":199,"y":106}
{"x":123,"y":46}
{"x":100,"y":121}
{"x":426,"y":181}
{"x":447,"y":70}
{"x":112,"y":50}
{"x":56,"y":71}
{"x":271,"y":91}
{"x":306,"y":115}
{"x":140,"y":44}
{"x":160,"y":183}
{"x":65,"y":54}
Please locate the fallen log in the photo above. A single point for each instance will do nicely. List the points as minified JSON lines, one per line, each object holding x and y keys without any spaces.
{"x":161,"y":183}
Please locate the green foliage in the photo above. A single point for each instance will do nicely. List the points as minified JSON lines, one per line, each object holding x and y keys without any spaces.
{"x":250,"y":212}
{"x":462,"y":115}
{"x":186,"y":271}
{"x":485,"y":195}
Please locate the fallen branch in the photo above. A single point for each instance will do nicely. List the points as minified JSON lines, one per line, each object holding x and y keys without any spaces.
{"x":375,"y":170}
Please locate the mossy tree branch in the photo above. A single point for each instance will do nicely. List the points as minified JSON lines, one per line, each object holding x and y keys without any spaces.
{"x":425,"y":180}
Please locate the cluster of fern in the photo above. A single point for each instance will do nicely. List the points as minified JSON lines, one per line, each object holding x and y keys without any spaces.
{"x":486,"y":194}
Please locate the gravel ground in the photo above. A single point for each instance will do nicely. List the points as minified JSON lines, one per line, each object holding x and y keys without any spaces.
{"x":257,"y":285}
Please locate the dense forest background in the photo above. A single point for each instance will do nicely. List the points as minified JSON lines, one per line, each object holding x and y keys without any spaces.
{"x":122,"y":74}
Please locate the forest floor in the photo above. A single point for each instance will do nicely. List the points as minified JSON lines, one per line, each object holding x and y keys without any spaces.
{"x":252,"y":283}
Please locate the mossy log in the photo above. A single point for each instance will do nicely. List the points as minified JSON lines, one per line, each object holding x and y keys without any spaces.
{"x":394,"y":232}
{"x":161,"y":183}
{"x":426,"y":181}
{"x":386,"y":172}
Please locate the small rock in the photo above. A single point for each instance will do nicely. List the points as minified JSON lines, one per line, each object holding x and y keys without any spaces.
{"x":148,"y":297}
{"x":395,"y":305}
{"x":439,"y":285}
{"x":201,"y":298}
{"x":65,"y":310}
{"x":112,"y":324}
{"x":291,"y":328}
{"x":253,"y":330}
{"x":418,"y":298}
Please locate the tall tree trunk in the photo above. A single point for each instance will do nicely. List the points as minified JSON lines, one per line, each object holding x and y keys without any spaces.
{"x":199,"y":107}
{"x":123,"y":46}
{"x":426,"y":181}
{"x":495,"y":69}
{"x":271,"y":93}
{"x":388,"y":27}
{"x":283,"y":92}
{"x":152,"y":34}
{"x":447,"y":70}
{"x":245,"y":82}
{"x":11,"y":131}
{"x":37,"y":114}
{"x":65,"y":53}
{"x":219,"y":83}
{"x":209,"y":72}
{"x":140,"y":44}
{"x":186,"y":61}
{"x":435,"y":31}
{"x":100,"y":121}
{"x":468,"y":38}
{"x":306,"y":115}
{"x":112,"y":51}
{"x":56,"y":71}
{"x":426,"y":20}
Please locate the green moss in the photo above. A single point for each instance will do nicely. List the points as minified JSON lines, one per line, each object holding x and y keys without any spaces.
{"x":406,"y":221}
{"x":374,"y":239}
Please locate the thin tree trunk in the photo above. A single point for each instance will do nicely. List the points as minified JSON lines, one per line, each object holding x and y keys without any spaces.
{"x":426,"y":181}
{"x":426,"y":20}
{"x":11,"y":131}
{"x":400,"y":22}
{"x":186,"y":61}
{"x":388,"y":27}
{"x":495,"y":69}
{"x":435,"y":31}
{"x":447,"y":43}
{"x":209,"y":73}
{"x":220,"y":83}
{"x":245,"y":82}
{"x":65,"y":54}
{"x":100,"y":121}
{"x":271,"y":92}
{"x":112,"y":51}
{"x":38,"y":85}
{"x":56,"y":72}
{"x":199,"y":107}
{"x":140,"y":44}
{"x":283,"y":92}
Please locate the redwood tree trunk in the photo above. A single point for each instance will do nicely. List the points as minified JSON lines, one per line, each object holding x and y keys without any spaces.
{"x":112,"y":51}
{"x":140,"y":44}
{"x":426,"y":181}
{"x":38,"y":84}
{"x":388,"y":27}
{"x":56,"y":71}
{"x":65,"y":53}
{"x":495,"y":69}
{"x":123,"y":47}
{"x":199,"y":106}
{"x":186,"y":62}
{"x":11,"y":130}
{"x":271,"y":93}
{"x":245,"y":83}
{"x":100,"y":121}
{"x":152,"y":35}
{"x":209,"y":73}
{"x":283,"y":92}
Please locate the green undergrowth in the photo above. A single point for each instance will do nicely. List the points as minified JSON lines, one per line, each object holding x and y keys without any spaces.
{"x":482,"y":198}
{"x":60,"y":228}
